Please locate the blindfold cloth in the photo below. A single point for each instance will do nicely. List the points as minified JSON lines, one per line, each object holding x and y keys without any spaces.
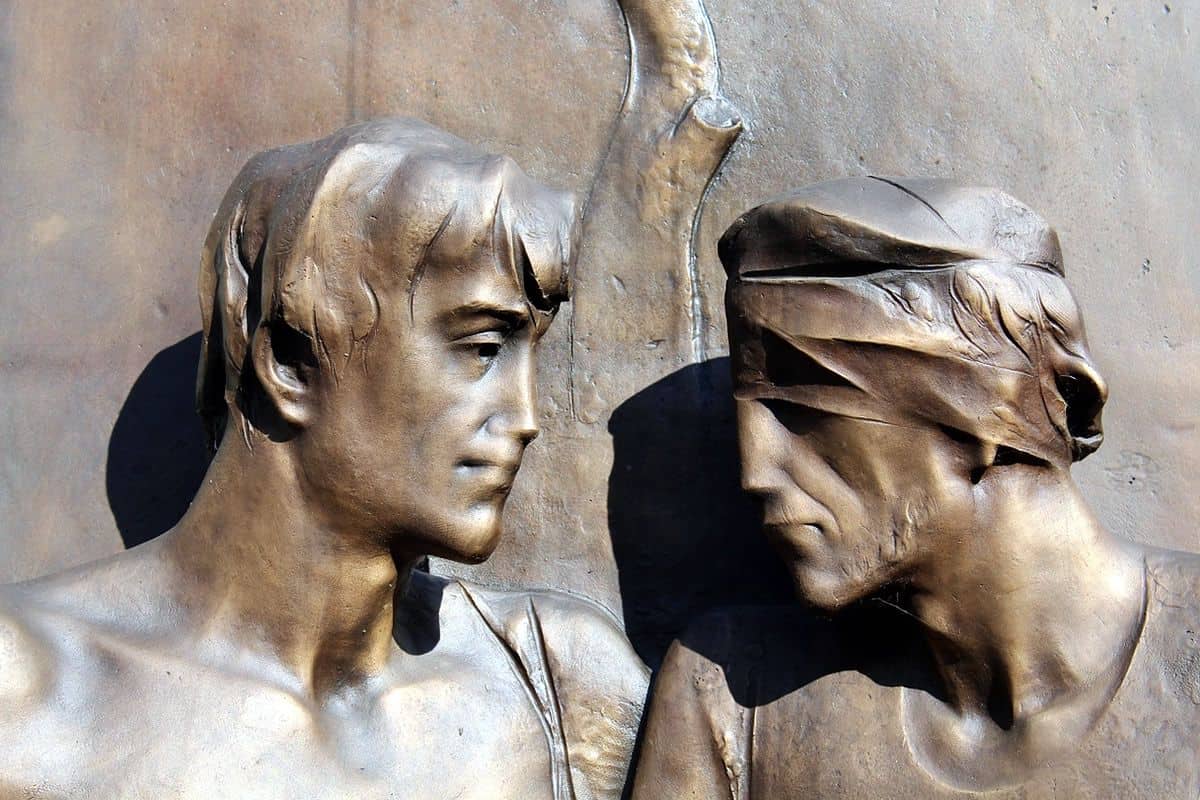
{"x":993,"y":348}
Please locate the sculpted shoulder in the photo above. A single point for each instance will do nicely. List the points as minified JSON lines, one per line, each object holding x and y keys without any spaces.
{"x":695,"y":743}
{"x":727,"y":668}
{"x":580,"y":639}
{"x":40,"y":621}
{"x":584,"y":644}
{"x":26,"y":660}
{"x":54,"y":625}
{"x":598,"y":680}
{"x":586,"y":641}
{"x":601,"y":685}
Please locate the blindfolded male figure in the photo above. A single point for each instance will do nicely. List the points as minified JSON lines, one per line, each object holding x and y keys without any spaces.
{"x":371,"y":303}
{"x":913,"y":385}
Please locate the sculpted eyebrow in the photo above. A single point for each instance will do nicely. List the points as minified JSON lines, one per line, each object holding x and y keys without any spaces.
{"x":511,"y":316}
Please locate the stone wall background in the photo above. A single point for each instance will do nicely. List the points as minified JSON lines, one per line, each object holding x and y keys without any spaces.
{"x":121,"y":127}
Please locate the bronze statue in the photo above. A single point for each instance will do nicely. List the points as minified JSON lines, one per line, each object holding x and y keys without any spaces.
{"x":371,"y":304}
{"x":913,"y":384}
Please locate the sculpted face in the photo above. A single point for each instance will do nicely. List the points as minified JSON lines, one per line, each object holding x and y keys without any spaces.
{"x":390,"y":283}
{"x":851,"y":504}
{"x":893,"y":343}
{"x":428,"y":437}
{"x":870,"y":405}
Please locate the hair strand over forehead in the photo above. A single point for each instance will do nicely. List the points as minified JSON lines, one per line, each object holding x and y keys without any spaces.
{"x":307,"y":233}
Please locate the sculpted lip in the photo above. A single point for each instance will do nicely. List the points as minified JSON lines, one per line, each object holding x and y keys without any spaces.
{"x":778,"y":516}
{"x":482,"y":463}
{"x":788,"y":527}
{"x":789,"y":530}
{"x":502,"y":473}
{"x":794,"y":540}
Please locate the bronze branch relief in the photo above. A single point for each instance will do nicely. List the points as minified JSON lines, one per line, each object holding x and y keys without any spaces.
{"x":912,"y":384}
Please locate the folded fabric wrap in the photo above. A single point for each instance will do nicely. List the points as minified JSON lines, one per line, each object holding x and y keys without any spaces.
{"x":888,"y":313}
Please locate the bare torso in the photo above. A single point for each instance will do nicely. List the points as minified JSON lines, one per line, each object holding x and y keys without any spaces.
{"x":101,"y":704}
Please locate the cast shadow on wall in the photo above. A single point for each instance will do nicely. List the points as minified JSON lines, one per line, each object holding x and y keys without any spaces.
{"x":685,"y":537}
{"x":156,"y":452}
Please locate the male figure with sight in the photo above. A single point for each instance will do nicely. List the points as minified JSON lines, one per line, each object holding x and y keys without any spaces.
{"x":913,"y":384}
{"x":371,"y":305}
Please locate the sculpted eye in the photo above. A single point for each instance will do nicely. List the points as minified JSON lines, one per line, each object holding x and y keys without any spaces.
{"x":796,"y":418}
{"x":484,"y":346}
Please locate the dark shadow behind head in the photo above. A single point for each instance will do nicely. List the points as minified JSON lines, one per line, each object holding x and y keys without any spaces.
{"x":684,"y":536}
{"x":156,"y":452}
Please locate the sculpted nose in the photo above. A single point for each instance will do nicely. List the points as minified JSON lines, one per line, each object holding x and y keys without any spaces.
{"x":526,"y":427}
{"x":520,"y":417}
{"x":756,"y":446}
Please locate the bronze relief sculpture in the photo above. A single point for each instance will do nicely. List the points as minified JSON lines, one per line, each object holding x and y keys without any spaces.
{"x":912,"y":377}
{"x":913,"y":385}
{"x":371,"y":305}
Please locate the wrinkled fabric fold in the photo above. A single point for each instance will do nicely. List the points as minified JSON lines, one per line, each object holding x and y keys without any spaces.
{"x":955,"y":356}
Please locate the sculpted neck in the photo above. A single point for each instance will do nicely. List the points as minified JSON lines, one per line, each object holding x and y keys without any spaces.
{"x":266,"y":574}
{"x":1036,"y":604}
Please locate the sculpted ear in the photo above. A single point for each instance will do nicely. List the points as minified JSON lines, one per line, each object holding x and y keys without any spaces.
{"x":1084,"y":393}
{"x":284,"y":366}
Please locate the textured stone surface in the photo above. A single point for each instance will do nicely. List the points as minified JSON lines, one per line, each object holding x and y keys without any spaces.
{"x":121,"y":128}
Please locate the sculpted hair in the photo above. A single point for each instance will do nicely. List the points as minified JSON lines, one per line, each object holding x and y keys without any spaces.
{"x":308,"y":234}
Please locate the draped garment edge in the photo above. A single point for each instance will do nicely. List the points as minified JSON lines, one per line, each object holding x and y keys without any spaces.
{"x":528,"y":659}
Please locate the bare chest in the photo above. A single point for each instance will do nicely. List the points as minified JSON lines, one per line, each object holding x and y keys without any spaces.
{"x":147,"y":730}
{"x":845,"y":737}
